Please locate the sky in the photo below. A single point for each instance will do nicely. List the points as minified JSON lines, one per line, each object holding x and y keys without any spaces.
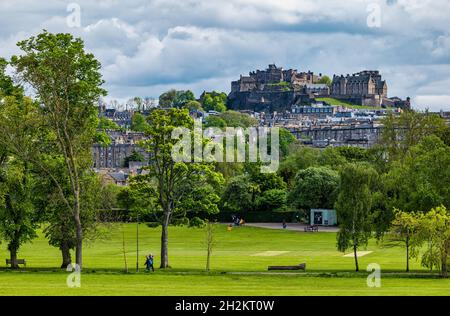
{"x":147,"y":47}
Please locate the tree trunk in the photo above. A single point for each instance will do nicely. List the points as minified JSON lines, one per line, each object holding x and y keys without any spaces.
{"x":208,"y":260}
{"x":13,"y":257}
{"x":444,"y":268}
{"x":407,"y":254}
{"x":79,"y":234}
{"x":66,"y":256}
{"x":356,"y":257}
{"x":165,"y":241}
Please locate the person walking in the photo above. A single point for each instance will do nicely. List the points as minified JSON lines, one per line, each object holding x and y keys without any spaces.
{"x":149,"y":263}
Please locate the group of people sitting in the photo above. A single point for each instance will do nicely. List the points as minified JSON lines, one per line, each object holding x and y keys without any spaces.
{"x":237,"y":221}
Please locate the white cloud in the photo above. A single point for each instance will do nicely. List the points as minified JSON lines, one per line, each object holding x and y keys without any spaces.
{"x":147,"y":47}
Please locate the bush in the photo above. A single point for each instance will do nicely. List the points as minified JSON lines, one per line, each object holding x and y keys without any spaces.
{"x":181,"y":222}
{"x":153,"y":224}
{"x":197,"y":222}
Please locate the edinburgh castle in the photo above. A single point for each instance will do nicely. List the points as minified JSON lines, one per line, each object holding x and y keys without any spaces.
{"x":276,"y":89}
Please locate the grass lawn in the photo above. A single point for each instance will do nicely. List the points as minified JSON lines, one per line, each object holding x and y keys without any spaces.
{"x":336,"y":102}
{"x":239,"y":266}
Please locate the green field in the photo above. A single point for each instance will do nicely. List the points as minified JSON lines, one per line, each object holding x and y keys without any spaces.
{"x":239,"y":266}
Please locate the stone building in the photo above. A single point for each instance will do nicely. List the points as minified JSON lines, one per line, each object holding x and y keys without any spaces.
{"x":317,"y":89}
{"x":273,"y":89}
{"x":122,"y":146}
{"x":273,"y":75}
{"x":366,"y":88}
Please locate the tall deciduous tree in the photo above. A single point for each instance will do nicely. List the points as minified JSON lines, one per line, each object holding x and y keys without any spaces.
{"x":404,"y":231}
{"x":17,"y":221}
{"x":67,"y":83}
{"x":435,"y":227}
{"x":315,"y":187}
{"x":181,"y":187}
{"x":18,"y":118}
{"x":408,"y":129}
{"x":353,"y":207}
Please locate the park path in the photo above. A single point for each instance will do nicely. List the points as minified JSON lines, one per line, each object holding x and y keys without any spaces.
{"x":292,"y":226}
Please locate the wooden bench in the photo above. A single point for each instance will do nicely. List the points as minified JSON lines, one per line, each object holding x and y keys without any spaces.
{"x":312,"y":228}
{"x":19,"y":261}
{"x":301,"y":266}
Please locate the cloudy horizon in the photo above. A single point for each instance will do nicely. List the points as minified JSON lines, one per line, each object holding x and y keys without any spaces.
{"x":148,"y":47}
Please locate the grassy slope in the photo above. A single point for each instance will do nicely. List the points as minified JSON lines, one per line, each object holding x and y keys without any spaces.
{"x":337,"y":102}
{"x":234,"y":251}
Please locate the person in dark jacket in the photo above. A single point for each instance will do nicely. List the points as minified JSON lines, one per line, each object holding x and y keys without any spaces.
{"x":149,"y":263}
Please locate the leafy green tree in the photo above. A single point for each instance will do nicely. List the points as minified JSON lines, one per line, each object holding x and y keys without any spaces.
{"x":180,"y":187}
{"x":18,"y":117}
{"x":272,"y":200}
{"x":436,"y":232}
{"x":301,"y":158}
{"x":215,"y":121}
{"x":60,"y":229}
{"x":176,"y":98}
{"x":166,"y":99}
{"x":102,"y":138}
{"x":315,"y":187}
{"x":183,"y":98}
{"x":193,"y":106}
{"x":404,"y":231}
{"x":325,"y":80}
{"x":7,"y":86}
{"x":106,"y":123}
{"x":286,"y":139}
{"x":237,"y":196}
{"x":407,"y":130}
{"x":354,"y":207}
{"x":68,"y":105}
{"x":138,"y":123}
{"x":17,"y":223}
{"x":237,"y":119}
{"x":420,"y":181}
{"x":135,"y":156}
{"x":214,"y":101}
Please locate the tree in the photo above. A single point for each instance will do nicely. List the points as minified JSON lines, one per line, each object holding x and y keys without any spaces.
{"x":106,"y":123}
{"x":302,"y":158}
{"x":17,"y":142}
{"x":175,"y":98}
{"x":404,"y":230}
{"x":180,"y":187}
{"x":237,"y":119}
{"x":237,"y":196}
{"x":138,"y":123}
{"x":325,"y":80}
{"x":135,"y":156}
{"x":315,"y":187}
{"x":67,"y":83}
{"x":210,"y":242}
{"x":193,"y":106}
{"x":166,"y":99}
{"x":407,"y":130}
{"x":17,"y":223}
{"x":214,"y":101}
{"x":272,"y":200}
{"x":420,"y":181}
{"x":215,"y":121}
{"x":436,"y":232}
{"x":60,"y":228}
{"x":353,"y":207}
{"x":183,"y":98}
{"x":7,"y":86}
